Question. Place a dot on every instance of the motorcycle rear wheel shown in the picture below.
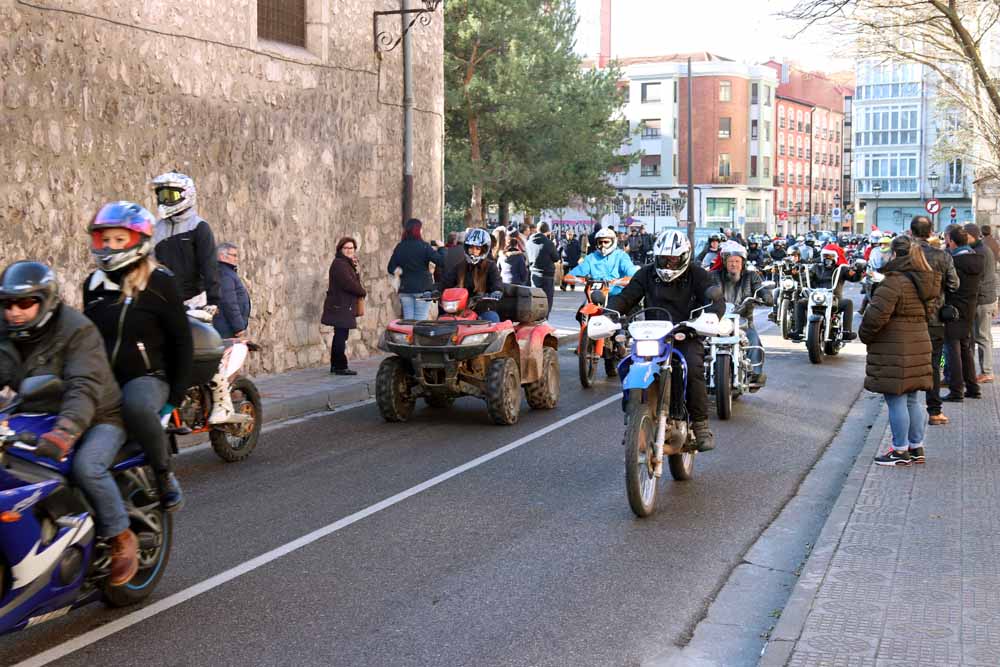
(814, 342)
(587, 361)
(235, 442)
(640, 435)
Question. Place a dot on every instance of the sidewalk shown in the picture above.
(907, 569)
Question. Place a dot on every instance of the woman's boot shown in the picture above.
(124, 557)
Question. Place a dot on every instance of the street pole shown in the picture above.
(690, 160)
(408, 103)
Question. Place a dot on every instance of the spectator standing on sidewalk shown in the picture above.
(344, 296)
(958, 332)
(233, 317)
(412, 257)
(894, 328)
(513, 266)
(543, 256)
(986, 304)
(940, 261)
(571, 253)
(991, 241)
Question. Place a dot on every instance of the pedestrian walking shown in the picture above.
(986, 304)
(233, 317)
(922, 231)
(412, 257)
(344, 302)
(543, 266)
(513, 266)
(898, 365)
(958, 341)
(571, 253)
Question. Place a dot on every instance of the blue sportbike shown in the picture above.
(654, 385)
(51, 560)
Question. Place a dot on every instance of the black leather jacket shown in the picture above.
(679, 297)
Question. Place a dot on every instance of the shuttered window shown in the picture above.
(282, 21)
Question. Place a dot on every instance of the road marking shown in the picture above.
(125, 622)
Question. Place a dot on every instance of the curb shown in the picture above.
(786, 633)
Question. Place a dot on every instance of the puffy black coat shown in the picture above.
(943, 265)
(969, 266)
(340, 309)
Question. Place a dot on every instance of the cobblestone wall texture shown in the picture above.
(290, 149)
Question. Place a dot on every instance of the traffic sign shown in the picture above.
(953, 213)
(782, 215)
(933, 206)
(835, 214)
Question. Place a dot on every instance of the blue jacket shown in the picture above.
(597, 266)
(234, 303)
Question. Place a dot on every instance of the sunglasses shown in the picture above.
(23, 303)
(168, 195)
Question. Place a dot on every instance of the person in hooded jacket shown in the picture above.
(898, 365)
(958, 341)
(542, 257)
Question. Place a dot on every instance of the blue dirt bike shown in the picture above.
(50, 558)
(654, 384)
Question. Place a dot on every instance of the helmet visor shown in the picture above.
(669, 262)
(605, 243)
(169, 196)
(115, 241)
(22, 303)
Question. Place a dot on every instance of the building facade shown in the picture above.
(895, 127)
(282, 112)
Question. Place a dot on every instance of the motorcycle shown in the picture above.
(786, 296)
(824, 325)
(236, 439)
(588, 351)
(868, 284)
(51, 561)
(654, 384)
(727, 365)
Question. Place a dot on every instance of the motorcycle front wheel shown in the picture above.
(723, 386)
(814, 342)
(235, 442)
(785, 318)
(587, 358)
(640, 434)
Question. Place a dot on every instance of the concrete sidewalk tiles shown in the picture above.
(909, 573)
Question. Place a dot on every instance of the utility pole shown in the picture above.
(408, 104)
(690, 160)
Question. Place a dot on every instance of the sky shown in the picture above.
(745, 30)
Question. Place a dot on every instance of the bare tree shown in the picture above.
(948, 37)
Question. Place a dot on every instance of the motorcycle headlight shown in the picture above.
(647, 348)
(787, 283)
(819, 298)
(475, 339)
(449, 306)
(397, 337)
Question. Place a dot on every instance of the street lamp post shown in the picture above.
(933, 180)
(877, 189)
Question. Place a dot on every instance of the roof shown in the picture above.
(697, 57)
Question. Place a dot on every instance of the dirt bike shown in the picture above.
(461, 355)
(235, 440)
(589, 352)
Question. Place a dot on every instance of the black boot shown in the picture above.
(171, 496)
(703, 436)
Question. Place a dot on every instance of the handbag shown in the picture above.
(360, 309)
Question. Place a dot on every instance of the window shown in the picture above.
(675, 91)
(650, 165)
(626, 90)
(895, 172)
(725, 127)
(767, 96)
(799, 124)
(781, 122)
(753, 129)
(651, 127)
(724, 169)
(888, 126)
(282, 21)
(674, 135)
(753, 210)
(725, 91)
(767, 166)
(753, 93)
(753, 166)
(676, 161)
(720, 207)
(767, 130)
(651, 92)
(955, 172)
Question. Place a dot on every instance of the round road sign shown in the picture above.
(932, 206)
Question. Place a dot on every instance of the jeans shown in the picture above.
(95, 453)
(961, 365)
(414, 308)
(937, 349)
(756, 356)
(906, 420)
(338, 349)
(142, 400)
(984, 337)
(547, 283)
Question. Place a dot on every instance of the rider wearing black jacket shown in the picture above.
(672, 283)
(821, 275)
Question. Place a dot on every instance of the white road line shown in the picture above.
(97, 634)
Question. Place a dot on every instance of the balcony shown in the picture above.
(732, 179)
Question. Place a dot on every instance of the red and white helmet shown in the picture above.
(671, 255)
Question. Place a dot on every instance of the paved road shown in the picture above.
(529, 558)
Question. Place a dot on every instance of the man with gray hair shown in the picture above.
(986, 304)
(234, 301)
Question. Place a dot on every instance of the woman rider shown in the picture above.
(138, 310)
(478, 273)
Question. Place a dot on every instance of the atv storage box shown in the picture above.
(522, 304)
(208, 350)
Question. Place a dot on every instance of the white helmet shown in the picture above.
(671, 254)
(730, 248)
(606, 233)
(476, 237)
(175, 193)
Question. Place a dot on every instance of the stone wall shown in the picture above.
(290, 148)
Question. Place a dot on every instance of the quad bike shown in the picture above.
(461, 355)
(236, 439)
(589, 351)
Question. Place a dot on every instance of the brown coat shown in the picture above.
(895, 330)
(340, 309)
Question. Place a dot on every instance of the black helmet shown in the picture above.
(30, 280)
